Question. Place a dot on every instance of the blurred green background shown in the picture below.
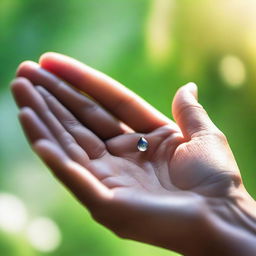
(152, 47)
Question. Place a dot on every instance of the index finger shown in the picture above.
(116, 98)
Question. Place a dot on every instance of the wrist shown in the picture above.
(230, 225)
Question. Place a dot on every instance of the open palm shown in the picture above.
(94, 152)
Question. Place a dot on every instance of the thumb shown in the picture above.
(189, 114)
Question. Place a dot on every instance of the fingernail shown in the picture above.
(192, 87)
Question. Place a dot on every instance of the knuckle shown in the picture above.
(220, 135)
(99, 151)
(187, 107)
(92, 107)
(71, 123)
(236, 179)
(47, 96)
(67, 138)
(88, 105)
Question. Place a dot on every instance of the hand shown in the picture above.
(86, 126)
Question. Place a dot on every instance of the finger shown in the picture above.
(80, 133)
(26, 95)
(36, 130)
(87, 111)
(189, 114)
(90, 191)
(123, 103)
(33, 127)
(85, 137)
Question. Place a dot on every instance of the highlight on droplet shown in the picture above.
(142, 144)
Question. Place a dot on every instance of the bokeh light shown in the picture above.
(44, 234)
(233, 71)
(13, 213)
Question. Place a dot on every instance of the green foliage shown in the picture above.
(117, 37)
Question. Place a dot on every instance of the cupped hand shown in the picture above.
(86, 126)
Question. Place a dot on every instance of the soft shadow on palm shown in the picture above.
(171, 164)
(123, 166)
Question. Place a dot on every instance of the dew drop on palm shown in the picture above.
(142, 144)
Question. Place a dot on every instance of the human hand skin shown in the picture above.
(185, 193)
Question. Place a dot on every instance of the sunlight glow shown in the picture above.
(158, 30)
(251, 43)
(44, 234)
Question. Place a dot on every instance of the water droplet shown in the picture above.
(142, 144)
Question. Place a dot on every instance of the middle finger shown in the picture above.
(87, 111)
